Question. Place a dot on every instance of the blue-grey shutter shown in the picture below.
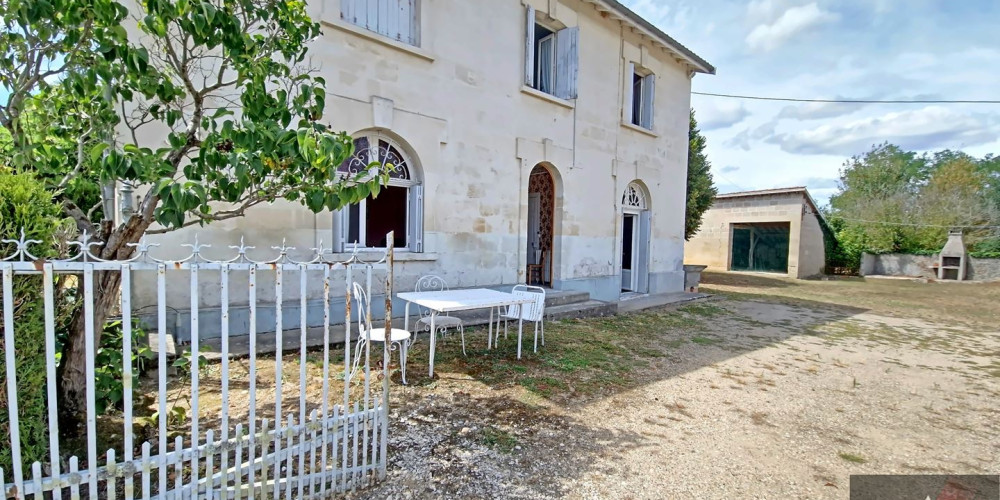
(627, 102)
(340, 226)
(529, 47)
(648, 100)
(642, 257)
(415, 226)
(567, 62)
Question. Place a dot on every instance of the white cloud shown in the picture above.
(721, 115)
(924, 129)
(766, 37)
(740, 140)
(817, 110)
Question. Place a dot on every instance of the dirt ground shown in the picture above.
(772, 389)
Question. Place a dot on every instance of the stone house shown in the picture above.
(772, 230)
(546, 134)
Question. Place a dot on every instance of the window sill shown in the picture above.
(547, 97)
(641, 130)
(377, 38)
(374, 255)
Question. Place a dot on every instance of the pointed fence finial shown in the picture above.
(196, 249)
(143, 248)
(21, 248)
(241, 256)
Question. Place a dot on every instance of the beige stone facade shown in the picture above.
(451, 95)
(792, 208)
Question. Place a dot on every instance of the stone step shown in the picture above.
(588, 309)
(555, 298)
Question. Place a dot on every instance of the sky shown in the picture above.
(835, 49)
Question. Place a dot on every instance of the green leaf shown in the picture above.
(97, 151)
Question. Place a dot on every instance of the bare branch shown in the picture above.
(80, 141)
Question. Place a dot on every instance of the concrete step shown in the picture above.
(588, 309)
(555, 298)
(643, 302)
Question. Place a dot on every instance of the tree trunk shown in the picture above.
(74, 378)
(73, 370)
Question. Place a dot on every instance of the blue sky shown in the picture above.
(855, 49)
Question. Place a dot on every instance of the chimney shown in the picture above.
(952, 261)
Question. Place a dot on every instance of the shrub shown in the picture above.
(24, 203)
(109, 360)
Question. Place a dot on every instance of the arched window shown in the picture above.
(398, 206)
(634, 197)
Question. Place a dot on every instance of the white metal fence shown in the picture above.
(262, 435)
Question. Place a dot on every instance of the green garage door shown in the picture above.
(760, 247)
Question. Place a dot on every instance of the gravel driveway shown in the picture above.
(766, 398)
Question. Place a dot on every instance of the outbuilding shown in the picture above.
(773, 231)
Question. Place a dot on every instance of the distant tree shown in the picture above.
(701, 190)
(892, 200)
(876, 186)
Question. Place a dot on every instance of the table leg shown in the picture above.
(433, 340)
(489, 339)
(520, 329)
(406, 317)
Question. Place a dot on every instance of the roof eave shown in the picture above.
(694, 60)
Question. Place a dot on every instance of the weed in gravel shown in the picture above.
(498, 439)
(854, 459)
(698, 339)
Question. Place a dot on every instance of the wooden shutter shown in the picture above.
(396, 19)
(627, 102)
(649, 94)
(567, 62)
(415, 226)
(642, 253)
(529, 47)
(340, 225)
(407, 27)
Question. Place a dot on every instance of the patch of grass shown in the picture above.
(700, 340)
(704, 310)
(543, 386)
(498, 439)
(854, 459)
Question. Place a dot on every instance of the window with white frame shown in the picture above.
(398, 207)
(639, 97)
(551, 58)
(396, 19)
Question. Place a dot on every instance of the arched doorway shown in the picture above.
(635, 239)
(541, 226)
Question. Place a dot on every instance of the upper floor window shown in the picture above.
(639, 97)
(551, 57)
(396, 19)
(398, 206)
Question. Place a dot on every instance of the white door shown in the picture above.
(630, 233)
(534, 228)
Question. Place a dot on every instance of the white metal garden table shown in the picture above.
(446, 301)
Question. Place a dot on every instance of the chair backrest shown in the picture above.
(429, 283)
(530, 311)
(363, 308)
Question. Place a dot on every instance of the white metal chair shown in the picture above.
(398, 338)
(533, 311)
(442, 322)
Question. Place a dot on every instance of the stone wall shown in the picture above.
(900, 264)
